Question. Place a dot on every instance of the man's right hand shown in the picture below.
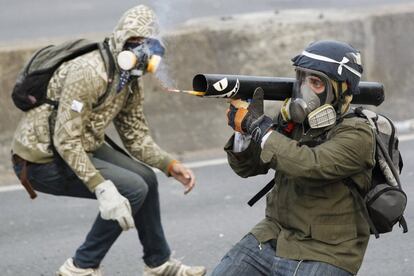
(113, 205)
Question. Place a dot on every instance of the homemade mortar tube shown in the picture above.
(275, 88)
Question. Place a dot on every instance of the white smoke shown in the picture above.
(166, 13)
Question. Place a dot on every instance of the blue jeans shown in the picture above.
(247, 258)
(135, 181)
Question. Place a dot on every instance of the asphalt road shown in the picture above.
(37, 236)
(21, 20)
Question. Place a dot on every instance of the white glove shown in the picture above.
(113, 205)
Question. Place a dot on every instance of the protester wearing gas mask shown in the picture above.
(312, 224)
(76, 162)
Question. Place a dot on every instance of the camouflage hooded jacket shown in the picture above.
(79, 127)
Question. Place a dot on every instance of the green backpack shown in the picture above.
(31, 85)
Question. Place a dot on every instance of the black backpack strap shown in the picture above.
(261, 193)
(115, 146)
(388, 159)
(109, 66)
(108, 59)
(53, 103)
(360, 202)
(110, 70)
(403, 224)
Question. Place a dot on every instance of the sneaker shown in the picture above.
(69, 269)
(174, 267)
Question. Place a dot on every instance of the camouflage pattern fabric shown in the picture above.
(79, 128)
(139, 21)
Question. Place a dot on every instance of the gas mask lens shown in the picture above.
(315, 84)
(310, 92)
(310, 81)
(141, 57)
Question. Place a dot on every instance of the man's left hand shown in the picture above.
(183, 175)
(252, 120)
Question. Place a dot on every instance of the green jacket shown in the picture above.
(80, 128)
(310, 212)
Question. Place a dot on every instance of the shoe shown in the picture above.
(69, 269)
(174, 267)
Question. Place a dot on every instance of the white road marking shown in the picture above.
(11, 188)
(406, 137)
(206, 163)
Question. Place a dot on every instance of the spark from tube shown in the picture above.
(191, 92)
(164, 9)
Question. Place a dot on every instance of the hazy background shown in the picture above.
(23, 19)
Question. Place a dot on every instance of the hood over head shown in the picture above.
(139, 21)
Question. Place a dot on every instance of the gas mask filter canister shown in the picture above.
(127, 60)
(141, 58)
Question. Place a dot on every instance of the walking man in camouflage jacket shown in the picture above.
(78, 163)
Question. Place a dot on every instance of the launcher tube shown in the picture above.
(275, 88)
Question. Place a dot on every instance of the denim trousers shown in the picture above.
(134, 180)
(250, 258)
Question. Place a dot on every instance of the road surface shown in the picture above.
(37, 236)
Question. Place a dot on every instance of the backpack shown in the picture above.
(31, 85)
(384, 203)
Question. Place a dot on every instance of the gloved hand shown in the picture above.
(251, 120)
(113, 205)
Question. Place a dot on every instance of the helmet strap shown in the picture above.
(341, 98)
(340, 91)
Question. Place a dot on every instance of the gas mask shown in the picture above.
(312, 99)
(139, 58)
